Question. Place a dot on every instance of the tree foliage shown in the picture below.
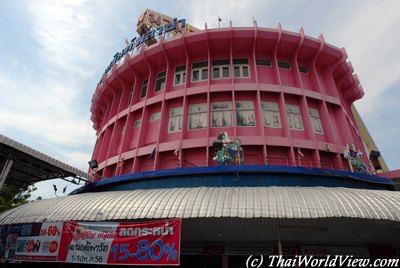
(11, 196)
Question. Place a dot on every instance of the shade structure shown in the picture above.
(213, 202)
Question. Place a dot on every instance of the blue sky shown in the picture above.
(53, 53)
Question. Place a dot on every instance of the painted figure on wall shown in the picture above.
(354, 157)
(228, 152)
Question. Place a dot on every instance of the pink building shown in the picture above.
(277, 91)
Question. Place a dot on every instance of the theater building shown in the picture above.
(300, 179)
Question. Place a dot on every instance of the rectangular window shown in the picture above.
(197, 116)
(284, 65)
(175, 120)
(137, 123)
(303, 69)
(294, 117)
(154, 117)
(241, 68)
(316, 121)
(245, 114)
(160, 82)
(180, 75)
(144, 89)
(272, 117)
(263, 62)
(220, 69)
(199, 71)
(221, 114)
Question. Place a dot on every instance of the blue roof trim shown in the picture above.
(324, 177)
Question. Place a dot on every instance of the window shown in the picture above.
(271, 113)
(199, 71)
(316, 121)
(294, 117)
(144, 89)
(263, 62)
(220, 69)
(160, 82)
(130, 96)
(175, 120)
(154, 117)
(180, 75)
(198, 116)
(303, 69)
(137, 123)
(221, 114)
(245, 114)
(241, 68)
(284, 65)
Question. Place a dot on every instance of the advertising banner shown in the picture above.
(145, 243)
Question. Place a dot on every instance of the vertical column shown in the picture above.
(5, 170)
(258, 109)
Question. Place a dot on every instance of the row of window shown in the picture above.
(222, 114)
(220, 70)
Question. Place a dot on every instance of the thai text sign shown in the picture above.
(147, 243)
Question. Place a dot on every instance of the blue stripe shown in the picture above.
(245, 175)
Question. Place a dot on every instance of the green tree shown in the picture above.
(11, 196)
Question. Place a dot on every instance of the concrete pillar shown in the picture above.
(4, 171)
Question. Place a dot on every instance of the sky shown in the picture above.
(53, 53)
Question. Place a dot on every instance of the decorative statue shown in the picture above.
(228, 152)
(354, 157)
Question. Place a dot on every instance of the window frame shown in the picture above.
(160, 81)
(315, 118)
(220, 65)
(202, 110)
(202, 66)
(178, 116)
(241, 64)
(244, 111)
(155, 117)
(223, 111)
(145, 85)
(270, 111)
(284, 65)
(182, 73)
(293, 115)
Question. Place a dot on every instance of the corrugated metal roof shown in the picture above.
(45, 167)
(208, 202)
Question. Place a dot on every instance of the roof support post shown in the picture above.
(4, 171)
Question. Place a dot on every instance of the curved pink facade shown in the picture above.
(274, 90)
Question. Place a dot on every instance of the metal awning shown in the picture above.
(22, 166)
(213, 202)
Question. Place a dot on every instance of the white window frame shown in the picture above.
(160, 76)
(245, 110)
(316, 121)
(180, 76)
(241, 66)
(155, 117)
(220, 113)
(197, 116)
(175, 117)
(294, 117)
(217, 65)
(272, 115)
(200, 70)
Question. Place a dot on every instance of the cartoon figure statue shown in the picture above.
(354, 157)
(228, 152)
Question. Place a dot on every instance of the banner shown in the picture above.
(145, 243)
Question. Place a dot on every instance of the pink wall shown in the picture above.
(327, 86)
